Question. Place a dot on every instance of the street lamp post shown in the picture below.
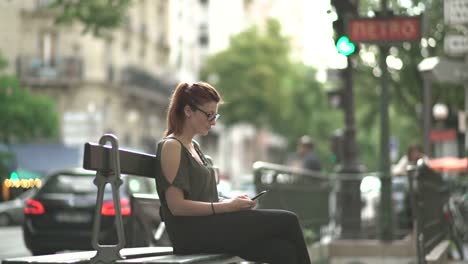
(386, 208)
(440, 114)
(349, 165)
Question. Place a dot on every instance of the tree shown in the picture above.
(252, 72)
(264, 87)
(24, 116)
(96, 16)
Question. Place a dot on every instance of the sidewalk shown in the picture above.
(370, 252)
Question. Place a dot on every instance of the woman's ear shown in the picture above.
(188, 111)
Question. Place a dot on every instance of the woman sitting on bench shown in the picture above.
(196, 221)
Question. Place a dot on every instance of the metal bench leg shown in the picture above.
(108, 253)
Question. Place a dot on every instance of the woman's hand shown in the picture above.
(241, 202)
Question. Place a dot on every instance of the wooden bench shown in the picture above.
(109, 161)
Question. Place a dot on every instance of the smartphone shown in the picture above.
(258, 195)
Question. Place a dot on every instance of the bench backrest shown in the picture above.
(98, 158)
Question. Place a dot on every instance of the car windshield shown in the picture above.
(84, 184)
(63, 183)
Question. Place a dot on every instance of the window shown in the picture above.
(70, 184)
(203, 39)
(127, 23)
(108, 60)
(110, 73)
(48, 43)
(142, 50)
(161, 8)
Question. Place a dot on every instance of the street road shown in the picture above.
(12, 244)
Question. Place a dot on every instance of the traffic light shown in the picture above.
(344, 9)
(344, 46)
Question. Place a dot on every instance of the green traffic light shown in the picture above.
(345, 46)
(14, 176)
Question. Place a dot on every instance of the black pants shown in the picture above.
(269, 236)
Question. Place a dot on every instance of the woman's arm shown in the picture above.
(179, 206)
(400, 168)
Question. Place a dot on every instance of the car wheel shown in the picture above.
(5, 220)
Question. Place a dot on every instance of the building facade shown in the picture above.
(118, 84)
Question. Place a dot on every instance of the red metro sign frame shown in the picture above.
(384, 29)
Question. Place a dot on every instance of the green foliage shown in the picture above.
(310, 235)
(252, 72)
(96, 15)
(24, 116)
(264, 87)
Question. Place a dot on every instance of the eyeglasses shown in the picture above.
(210, 117)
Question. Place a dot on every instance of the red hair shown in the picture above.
(194, 94)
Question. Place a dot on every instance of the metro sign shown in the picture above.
(388, 29)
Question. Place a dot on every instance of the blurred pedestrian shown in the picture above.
(413, 154)
(305, 150)
(196, 220)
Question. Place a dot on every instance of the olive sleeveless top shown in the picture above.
(197, 181)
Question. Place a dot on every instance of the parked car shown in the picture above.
(11, 212)
(60, 215)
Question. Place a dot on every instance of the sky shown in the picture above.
(320, 49)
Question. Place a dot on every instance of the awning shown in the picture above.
(449, 164)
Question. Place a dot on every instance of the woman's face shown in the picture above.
(415, 155)
(204, 117)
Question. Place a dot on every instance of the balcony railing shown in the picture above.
(134, 76)
(63, 71)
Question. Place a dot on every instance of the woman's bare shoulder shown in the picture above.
(171, 149)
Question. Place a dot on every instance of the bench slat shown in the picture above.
(181, 259)
(97, 158)
(85, 256)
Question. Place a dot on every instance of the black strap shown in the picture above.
(172, 137)
(200, 153)
(197, 149)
